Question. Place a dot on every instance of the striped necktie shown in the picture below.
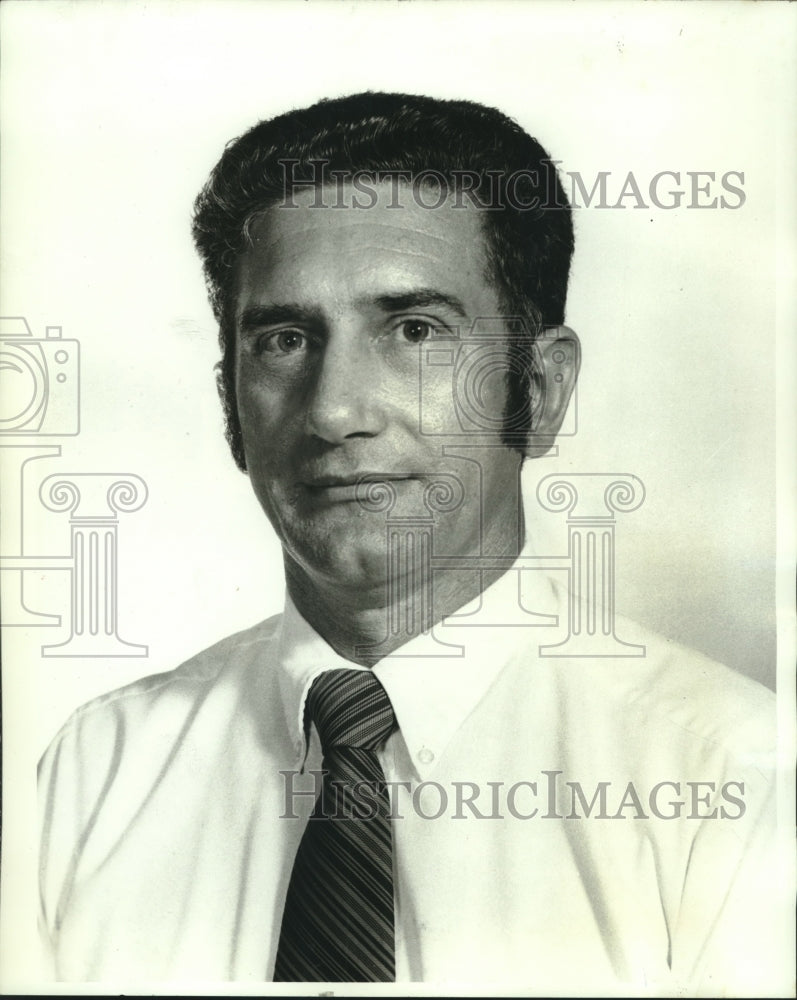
(338, 923)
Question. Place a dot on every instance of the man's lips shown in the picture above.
(349, 487)
(363, 478)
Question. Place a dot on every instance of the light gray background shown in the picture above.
(112, 117)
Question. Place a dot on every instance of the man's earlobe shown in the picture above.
(552, 381)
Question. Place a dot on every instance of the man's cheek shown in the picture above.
(258, 408)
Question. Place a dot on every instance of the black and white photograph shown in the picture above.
(397, 446)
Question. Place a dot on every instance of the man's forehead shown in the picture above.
(364, 210)
(319, 240)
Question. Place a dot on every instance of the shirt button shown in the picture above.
(425, 756)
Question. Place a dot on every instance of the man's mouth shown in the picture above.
(350, 487)
(351, 479)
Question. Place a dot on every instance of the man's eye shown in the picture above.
(284, 342)
(416, 330)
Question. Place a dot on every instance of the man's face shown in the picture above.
(334, 309)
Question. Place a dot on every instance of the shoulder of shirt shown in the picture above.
(678, 687)
(682, 688)
(184, 684)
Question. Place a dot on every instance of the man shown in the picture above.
(389, 275)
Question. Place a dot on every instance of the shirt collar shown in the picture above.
(434, 681)
(301, 656)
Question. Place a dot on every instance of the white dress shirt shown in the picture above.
(168, 839)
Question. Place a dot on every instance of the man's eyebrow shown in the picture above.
(418, 298)
(257, 316)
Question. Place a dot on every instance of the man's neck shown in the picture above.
(355, 622)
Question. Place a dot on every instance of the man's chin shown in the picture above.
(351, 559)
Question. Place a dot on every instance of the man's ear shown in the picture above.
(552, 380)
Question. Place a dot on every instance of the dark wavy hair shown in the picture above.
(526, 218)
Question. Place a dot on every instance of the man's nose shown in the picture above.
(344, 400)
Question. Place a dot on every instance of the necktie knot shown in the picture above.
(350, 709)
